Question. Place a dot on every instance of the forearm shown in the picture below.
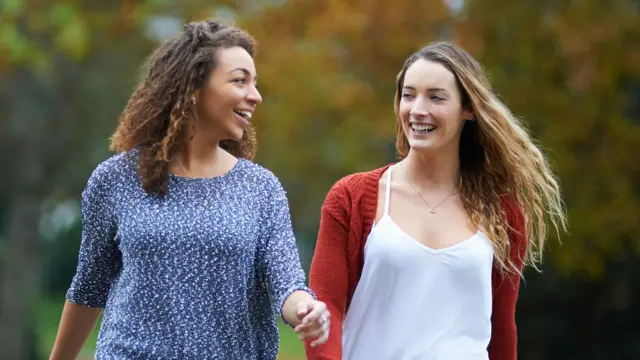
(289, 308)
(76, 324)
(329, 274)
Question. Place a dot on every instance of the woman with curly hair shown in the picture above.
(421, 259)
(186, 243)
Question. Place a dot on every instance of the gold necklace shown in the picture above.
(432, 209)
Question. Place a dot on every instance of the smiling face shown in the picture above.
(227, 100)
(430, 109)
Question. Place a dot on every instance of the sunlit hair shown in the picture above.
(159, 113)
(498, 160)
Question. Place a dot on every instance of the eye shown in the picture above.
(239, 80)
(407, 95)
(436, 98)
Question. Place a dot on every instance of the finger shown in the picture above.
(323, 339)
(312, 320)
(316, 333)
(311, 326)
(316, 330)
(314, 325)
(304, 309)
(317, 311)
(319, 341)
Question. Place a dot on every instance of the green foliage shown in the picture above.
(570, 69)
(59, 260)
(562, 66)
(328, 71)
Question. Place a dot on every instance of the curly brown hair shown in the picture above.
(498, 160)
(157, 117)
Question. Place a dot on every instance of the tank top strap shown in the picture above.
(387, 195)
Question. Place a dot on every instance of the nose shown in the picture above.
(253, 96)
(419, 109)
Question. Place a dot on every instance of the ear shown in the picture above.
(468, 115)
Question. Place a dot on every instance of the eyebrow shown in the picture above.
(430, 89)
(244, 71)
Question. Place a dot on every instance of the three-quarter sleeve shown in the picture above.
(278, 253)
(99, 259)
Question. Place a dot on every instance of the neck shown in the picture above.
(434, 171)
(200, 153)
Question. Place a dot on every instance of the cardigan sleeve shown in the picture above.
(328, 276)
(503, 344)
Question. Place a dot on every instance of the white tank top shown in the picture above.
(417, 303)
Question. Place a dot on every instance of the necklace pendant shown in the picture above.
(432, 210)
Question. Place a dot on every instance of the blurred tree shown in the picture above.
(66, 72)
(327, 71)
(570, 69)
(566, 66)
(69, 68)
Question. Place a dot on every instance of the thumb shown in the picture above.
(303, 308)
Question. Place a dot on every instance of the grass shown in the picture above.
(49, 311)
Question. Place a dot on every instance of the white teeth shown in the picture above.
(423, 127)
(245, 114)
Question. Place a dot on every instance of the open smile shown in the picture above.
(243, 116)
(246, 114)
(422, 128)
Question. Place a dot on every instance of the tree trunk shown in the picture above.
(20, 278)
(21, 265)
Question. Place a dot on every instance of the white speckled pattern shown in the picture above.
(190, 276)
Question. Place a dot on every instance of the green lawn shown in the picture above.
(49, 315)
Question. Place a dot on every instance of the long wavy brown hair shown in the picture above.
(497, 159)
(159, 113)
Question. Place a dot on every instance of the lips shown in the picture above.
(423, 128)
(246, 114)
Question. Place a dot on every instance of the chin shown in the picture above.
(423, 146)
(421, 149)
(234, 134)
(422, 143)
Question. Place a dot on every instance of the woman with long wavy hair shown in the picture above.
(421, 259)
(186, 243)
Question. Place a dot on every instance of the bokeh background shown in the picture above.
(569, 68)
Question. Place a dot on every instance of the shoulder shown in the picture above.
(259, 176)
(356, 193)
(113, 168)
(106, 178)
(358, 184)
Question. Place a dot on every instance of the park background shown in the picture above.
(569, 68)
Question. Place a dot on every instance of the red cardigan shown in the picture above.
(347, 216)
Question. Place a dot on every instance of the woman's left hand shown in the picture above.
(315, 319)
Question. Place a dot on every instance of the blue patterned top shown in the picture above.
(195, 275)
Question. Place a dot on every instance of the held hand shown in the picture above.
(315, 319)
